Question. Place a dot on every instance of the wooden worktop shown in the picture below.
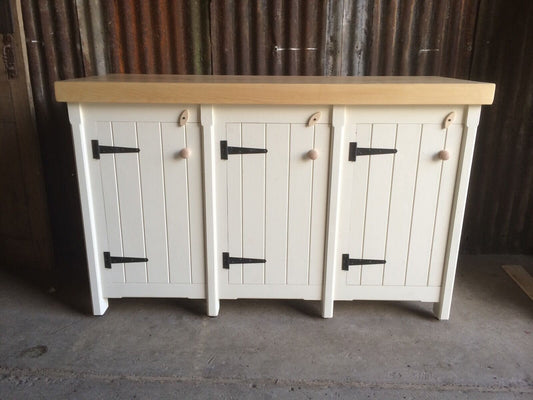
(226, 89)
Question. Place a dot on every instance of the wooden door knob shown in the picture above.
(444, 155)
(312, 154)
(185, 153)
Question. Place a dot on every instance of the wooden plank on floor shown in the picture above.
(521, 277)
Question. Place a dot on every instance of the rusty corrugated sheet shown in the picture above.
(499, 214)
(71, 38)
(268, 37)
(54, 53)
(158, 37)
(408, 37)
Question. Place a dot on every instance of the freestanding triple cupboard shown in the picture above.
(320, 188)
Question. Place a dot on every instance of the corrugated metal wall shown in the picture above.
(499, 216)
(478, 39)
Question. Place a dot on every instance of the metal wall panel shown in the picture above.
(72, 38)
(408, 37)
(499, 217)
(158, 37)
(268, 37)
(54, 53)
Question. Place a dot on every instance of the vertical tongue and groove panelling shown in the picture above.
(389, 209)
(289, 233)
(147, 201)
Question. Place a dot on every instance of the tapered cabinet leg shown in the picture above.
(327, 309)
(213, 307)
(442, 310)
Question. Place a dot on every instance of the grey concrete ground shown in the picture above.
(159, 348)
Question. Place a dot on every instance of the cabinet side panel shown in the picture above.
(111, 201)
(253, 203)
(176, 188)
(358, 201)
(129, 191)
(277, 193)
(234, 203)
(153, 198)
(401, 203)
(378, 198)
(444, 207)
(195, 197)
(425, 203)
(300, 184)
(319, 204)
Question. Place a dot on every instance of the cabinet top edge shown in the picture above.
(303, 90)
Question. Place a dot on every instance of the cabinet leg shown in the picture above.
(213, 307)
(327, 309)
(100, 305)
(442, 310)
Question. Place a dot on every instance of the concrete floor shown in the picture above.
(167, 348)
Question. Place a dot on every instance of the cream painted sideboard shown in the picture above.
(319, 188)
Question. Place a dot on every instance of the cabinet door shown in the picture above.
(396, 207)
(150, 201)
(271, 205)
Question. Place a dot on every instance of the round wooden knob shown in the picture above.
(444, 155)
(185, 153)
(312, 154)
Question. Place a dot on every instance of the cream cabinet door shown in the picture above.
(148, 198)
(271, 198)
(396, 205)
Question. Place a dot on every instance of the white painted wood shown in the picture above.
(111, 201)
(299, 211)
(89, 206)
(253, 203)
(331, 259)
(118, 290)
(272, 114)
(300, 186)
(418, 217)
(213, 256)
(401, 114)
(140, 112)
(234, 168)
(425, 205)
(401, 202)
(253, 181)
(153, 200)
(277, 194)
(377, 203)
(193, 135)
(129, 192)
(319, 205)
(442, 308)
(398, 293)
(177, 203)
(358, 202)
(303, 292)
(444, 206)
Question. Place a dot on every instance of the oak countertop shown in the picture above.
(301, 90)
